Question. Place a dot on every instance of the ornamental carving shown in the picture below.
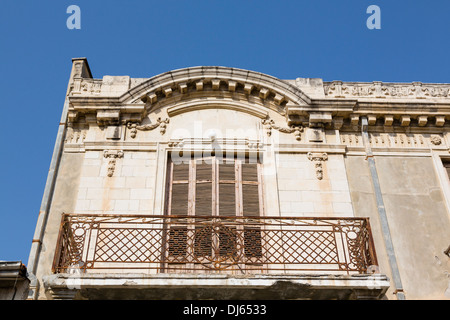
(91, 86)
(436, 140)
(387, 90)
(270, 124)
(75, 135)
(112, 155)
(161, 123)
(318, 159)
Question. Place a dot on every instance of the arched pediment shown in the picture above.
(203, 83)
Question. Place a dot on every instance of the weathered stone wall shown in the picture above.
(130, 189)
(419, 224)
(302, 193)
(63, 201)
(417, 217)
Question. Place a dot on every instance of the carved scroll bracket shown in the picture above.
(112, 155)
(318, 159)
(161, 123)
(270, 124)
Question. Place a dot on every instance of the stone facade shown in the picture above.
(317, 140)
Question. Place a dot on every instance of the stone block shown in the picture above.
(150, 182)
(119, 194)
(117, 182)
(287, 196)
(302, 207)
(121, 205)
(82, 194)
(92, 155)
(90, 171)
(133, 205)
(343, 207)
(94, 193)
(141, 171)
(339, 185)
(82, 205)
(288, 184)
(127, 171)
(141, 194)
(323, 207)
(285, 207)
(93, 182)
(135, 182)
(146, 206)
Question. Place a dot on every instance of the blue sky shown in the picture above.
(286, 39)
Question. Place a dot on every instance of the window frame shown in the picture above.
(192, 182)
(215, 181)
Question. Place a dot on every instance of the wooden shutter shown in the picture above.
(207, 188)
(250, 189)
(203, 188)
(179, 189)
(251, 208)
(227, 189)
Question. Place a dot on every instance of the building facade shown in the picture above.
(223, 183)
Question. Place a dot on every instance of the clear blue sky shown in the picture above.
(285, 39)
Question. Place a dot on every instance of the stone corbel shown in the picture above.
(112, 155)
(270, 124)
(318, 159)
(161, 123)
(320, 119)
(440, 121)
(388, 120)
(72, 116)
(108, 117)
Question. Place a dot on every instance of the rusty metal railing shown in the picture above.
(237, 245)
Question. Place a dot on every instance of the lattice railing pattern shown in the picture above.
(214, 244)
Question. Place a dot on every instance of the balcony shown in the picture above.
(171, 251)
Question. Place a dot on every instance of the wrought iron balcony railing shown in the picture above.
(237, 245)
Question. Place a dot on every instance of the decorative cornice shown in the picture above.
(380, 90)
(341, 103)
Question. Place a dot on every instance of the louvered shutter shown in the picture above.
(250, 189)
(203, 205)
(203, 188)
(179, 194)
(227, 189)
(251, 208)
(206, 188)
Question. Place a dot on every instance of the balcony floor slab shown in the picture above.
(162, 286)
